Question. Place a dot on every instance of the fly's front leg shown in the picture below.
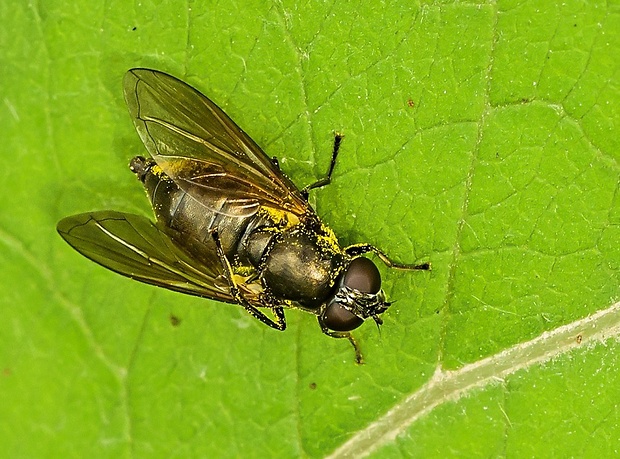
(279, 323)
(359, 249)
(269, 301)
(359, 359)
(328, 178)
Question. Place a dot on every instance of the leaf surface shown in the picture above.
(479, 136)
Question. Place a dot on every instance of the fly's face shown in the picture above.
(358, 297)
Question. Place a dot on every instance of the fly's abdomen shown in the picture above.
(193, 219)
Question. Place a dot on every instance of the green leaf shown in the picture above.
(479, 136)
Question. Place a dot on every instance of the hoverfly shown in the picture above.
(230, 225)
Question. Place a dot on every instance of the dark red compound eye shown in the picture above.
(338, 318)
(363, 275)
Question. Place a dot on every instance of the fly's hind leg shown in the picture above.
(359, 249)
(328, 178)
(278, 311)
(359, 359)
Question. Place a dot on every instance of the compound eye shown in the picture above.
(338, 318)
(363, 275)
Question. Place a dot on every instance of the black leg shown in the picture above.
(359, 359)
(359, 249)
(279, 323)
(328, 178)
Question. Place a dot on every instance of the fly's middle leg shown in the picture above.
(279, 323)
(328, 178)
(359, 249)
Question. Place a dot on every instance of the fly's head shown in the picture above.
(358, 297)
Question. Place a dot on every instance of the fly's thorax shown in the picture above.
(297, 266)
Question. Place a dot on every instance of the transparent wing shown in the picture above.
(201, 148)
(135, 247)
